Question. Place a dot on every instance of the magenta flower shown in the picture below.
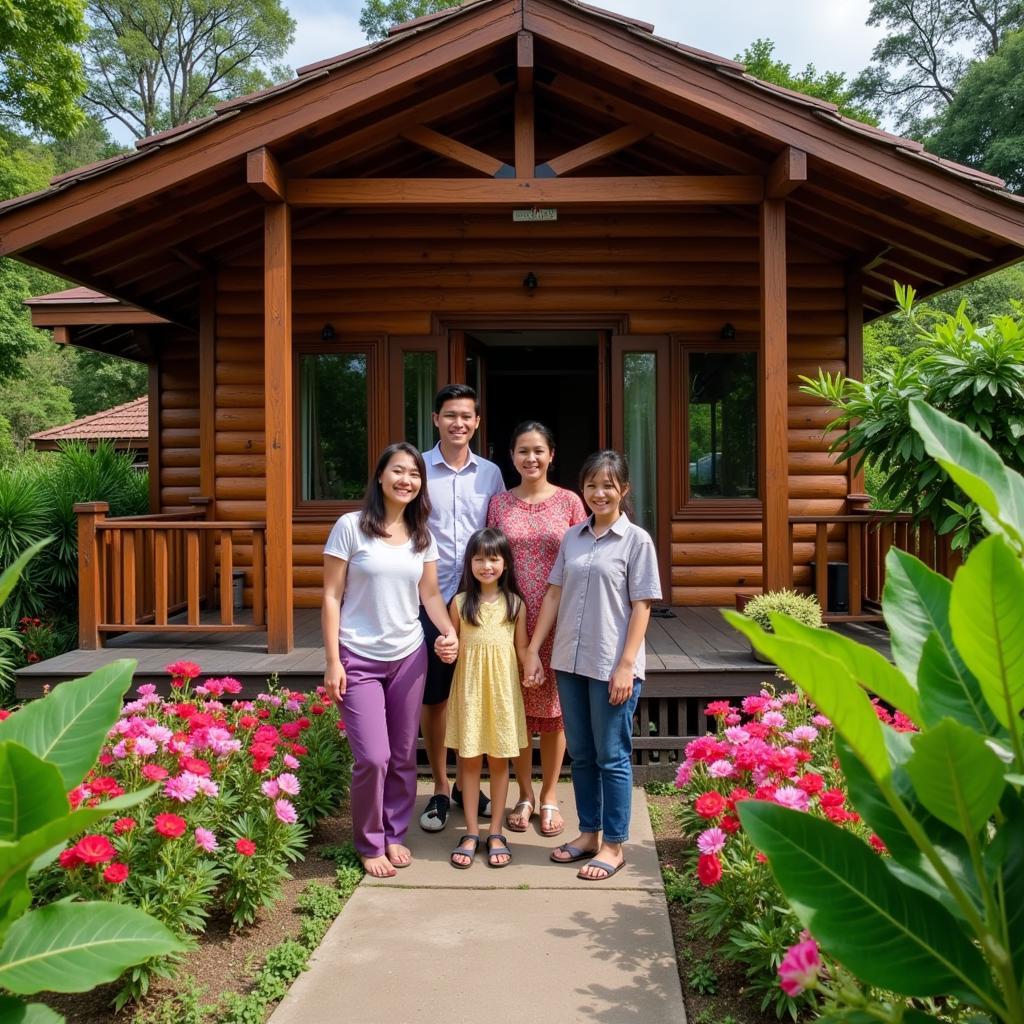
(792, 797)
(182, 788)
(207, 786)
(800, 966)
(206, 840)
(720, 769)
(822, 722)
(737, 734)
(711, 840)
(683, 774)
(270, 789)
(288, 784)
(285, 811)
(774, 719)
(145, 746)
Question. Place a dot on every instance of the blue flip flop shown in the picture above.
(498, 850)
(465, 852)
(604, 867)
(575, 854)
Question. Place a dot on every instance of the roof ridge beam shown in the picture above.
(459, 152)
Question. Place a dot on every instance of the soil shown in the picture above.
(728, 1005)
(225, 960)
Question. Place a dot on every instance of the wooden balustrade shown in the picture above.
(156, 573)
(869, 534)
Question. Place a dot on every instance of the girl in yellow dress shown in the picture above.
(485, 709)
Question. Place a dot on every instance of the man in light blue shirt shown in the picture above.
(460, 485)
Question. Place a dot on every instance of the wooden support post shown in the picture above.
(277, 356)
(90, 573)
(525, 152)
(787, 172)
(524, 62)
(772, 366)
(153, 423)
(208, 419)
(264, 174)
(855, 363)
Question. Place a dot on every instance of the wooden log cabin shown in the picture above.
(630, 239)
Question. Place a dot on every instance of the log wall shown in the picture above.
(681, 274)
(178, 427)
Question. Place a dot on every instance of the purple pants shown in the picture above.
(381, 708)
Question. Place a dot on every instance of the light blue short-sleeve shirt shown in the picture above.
(600, 577)
(458, 508)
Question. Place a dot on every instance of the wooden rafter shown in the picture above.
(591, 152)
(264, 174)
(459, 152)
(787, 172)
(480, 193)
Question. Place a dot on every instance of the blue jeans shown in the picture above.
(600, 741)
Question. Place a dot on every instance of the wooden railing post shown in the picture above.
(207, 554)
(90, 571)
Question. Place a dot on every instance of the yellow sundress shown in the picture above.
(485, 709)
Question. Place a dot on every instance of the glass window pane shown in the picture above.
(639, 428)
(333, 414)
(420, 375)
(722, 424)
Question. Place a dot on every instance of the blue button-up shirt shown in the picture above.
(459, 500)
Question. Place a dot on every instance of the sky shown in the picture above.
(829, 33)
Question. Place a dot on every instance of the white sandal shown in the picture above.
(517, 814)
(549, 808)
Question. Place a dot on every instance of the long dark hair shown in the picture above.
(615, 465)
(372, 518)
(529, 427)
(491, 542)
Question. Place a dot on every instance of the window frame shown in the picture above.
(686, 506)
(374, 347)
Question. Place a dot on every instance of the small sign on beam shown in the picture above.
(535, 214)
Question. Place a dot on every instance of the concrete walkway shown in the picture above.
(524, 943)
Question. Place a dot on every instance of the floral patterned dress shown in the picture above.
(535, 533)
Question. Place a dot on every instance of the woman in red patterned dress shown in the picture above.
(534, 517)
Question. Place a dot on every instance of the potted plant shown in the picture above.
(802, 607)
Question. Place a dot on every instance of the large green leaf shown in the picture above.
(11, 575)
(829, 683)
(31, 792)
(69, 726)
(1011, 872)
(956, 776)
(871, 669)
(14, 1011)
(975, 467)
(986, 612)
(73, 947)
(885, 933)
(916, 605)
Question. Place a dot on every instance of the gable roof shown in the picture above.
(127, 425)
(973, 223)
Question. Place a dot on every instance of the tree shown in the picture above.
(920, 61)
(40, 70)
(47, 402)
(984, 124)
(377, 16)
(98, 381)
(155, 64)
(831, 86)
(90, 144)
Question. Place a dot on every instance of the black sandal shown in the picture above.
(498, 851)
(464, 851)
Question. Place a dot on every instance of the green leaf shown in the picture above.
(11, 575)
(31, 792)
(974, 466)
(1012, 872)
(69, 726)
(872, 670)
(886, 933)
(956, 776)
(73, 947)
(951, 691)
(986, 613)
(829, 684)
(14, 1011)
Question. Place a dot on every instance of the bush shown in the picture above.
(802, 607)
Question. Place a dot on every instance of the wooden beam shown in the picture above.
(855, 356)
(773, 370)
(264, 174)
(524, 62)
(788, 171)
(459, 152)
(61, 335)
(590, 152)
(524, 139)
(478, 193)
(208, 417)
(277, 358)
(154, 424)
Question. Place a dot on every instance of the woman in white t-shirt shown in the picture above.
(380, 564)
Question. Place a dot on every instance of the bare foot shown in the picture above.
(400, 856)
(379, 867)
(610, 854)
(585, 842)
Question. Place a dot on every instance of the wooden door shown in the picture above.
(639, 391)
(418, 367)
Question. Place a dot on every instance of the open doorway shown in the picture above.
(551, 376)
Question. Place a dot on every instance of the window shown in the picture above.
(640, 434)
(419, 384)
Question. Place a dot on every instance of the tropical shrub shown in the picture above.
(802, 607)
(237, 784)
(942, 916)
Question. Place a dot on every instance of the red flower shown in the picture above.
(195, 765)
(4, 714)
(170, 825)
(761, 858)
(124, 825)
(247, 721)
(94, 850)
(32, 657)
(765, 792)
(263, 713)
(298, 749)
(718, 707)
(106, 785)
(154, 772)
(262, 751)
(303, 722)
(291, 730)
(68, 859)
(200, 721)
(246, 847)
(266, 734)
(710, 804)
(116, 873)
(730, 824)
(878, 843)
(810, 783)
(185, 710)
(183, 670)
(736, 795)
(317, 709)
(832, 798)
(709, 869)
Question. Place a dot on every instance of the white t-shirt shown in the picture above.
(380, 606)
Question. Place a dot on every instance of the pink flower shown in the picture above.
(145, 746)
(711, 840)
(773, 719)
(803, 734)
(799, 968)
(737, 734)
(289, 784)
(182, 788)
(290, 762)
(206, 840)
(752, 705)
(793, 797)
(270, 789)
(721, 769)
(822, 722)
(285, 811)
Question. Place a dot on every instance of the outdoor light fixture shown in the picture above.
(728, 332)
(530, 283)
(327, 332)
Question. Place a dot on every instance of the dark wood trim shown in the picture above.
(264, 174)
(398, 345)
(153, 404)
(590, 152)
(458, 152)
(788, 171)
(65, 316)
(525, 151)
(208, 416)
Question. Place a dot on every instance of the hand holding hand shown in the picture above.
(335, 681)
(620, 686)
(533, 671)
(446, 647)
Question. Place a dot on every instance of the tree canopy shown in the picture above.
(154, 64)
(377, 16)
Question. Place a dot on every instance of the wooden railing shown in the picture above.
(156, 573)
(868, 535)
